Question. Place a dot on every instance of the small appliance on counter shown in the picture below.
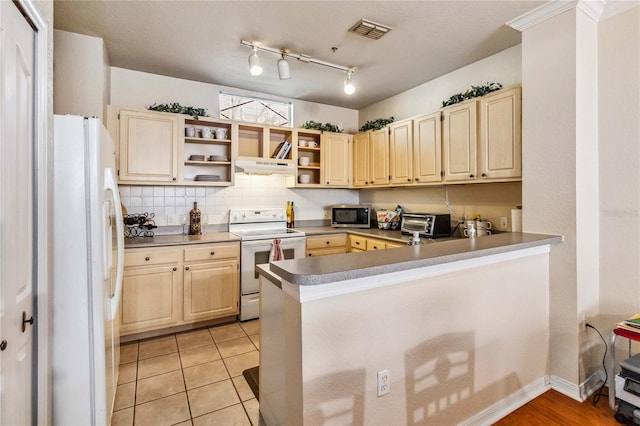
(351, 216)
(627, 384)
(428, 225)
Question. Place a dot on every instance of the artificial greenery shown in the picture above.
(474, 92)
(326, 127)
(179, 109)
(376, 124)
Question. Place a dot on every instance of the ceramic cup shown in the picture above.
(312, 144)
(483, 224)
(303, 161)
(190, 132)
(482, 232)
(207, 133)
(305, 178)
(470, 232)
(221, 133)
(302, 142)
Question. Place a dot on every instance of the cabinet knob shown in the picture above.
(417, 179)
(175, 269)
(471, 175)
(213, 253)
(3, 345)
(328, 242)
(484, 175)
(357, 243)
(147, 258)
(173, 178)
(408, 180)
(186, 268)
(309, 255)
(371, 182)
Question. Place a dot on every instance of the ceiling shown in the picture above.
(200, 40)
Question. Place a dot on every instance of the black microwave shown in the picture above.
(351, 216)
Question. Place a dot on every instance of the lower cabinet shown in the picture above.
(169, 286)
(323, 245)
(359, 243)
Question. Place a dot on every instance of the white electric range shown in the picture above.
(257, 229)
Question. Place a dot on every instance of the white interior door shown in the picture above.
(17, 254)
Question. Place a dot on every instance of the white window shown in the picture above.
(256, 110)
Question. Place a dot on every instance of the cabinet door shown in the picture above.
(326, 252)
(336, 162)
(401, 152)
(361, 159)
(427, 153)
(460, 141)
(379, 157)
(150, 298)
(148, 147)
(210, 290)
(500, 135)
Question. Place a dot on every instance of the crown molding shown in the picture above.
(541, 14)
(597, 10)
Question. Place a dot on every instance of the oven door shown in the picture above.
(257, 252)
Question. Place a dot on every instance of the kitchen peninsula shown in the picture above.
(461, 327)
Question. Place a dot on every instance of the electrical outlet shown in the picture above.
(384, 383)
(172, 220)
(503, 222)
(327, 213)
(584, 321)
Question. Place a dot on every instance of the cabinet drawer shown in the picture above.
(376, 245)
(325, 241)
(326, 252)
(358, 243)
(212, 251)
(141, 257)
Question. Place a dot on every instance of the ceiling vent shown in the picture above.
(370, 29)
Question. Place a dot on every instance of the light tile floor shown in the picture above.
(191, 378)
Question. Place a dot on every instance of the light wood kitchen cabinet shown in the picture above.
(371, 158)
(358, 243)
(500, 153)
(482, 139)
(151, 290)
(215, 153)
(415, 150)
(211, 281)
(336, 159)
(311, 148)
(148, 147)
(460, 139)
(322, 245)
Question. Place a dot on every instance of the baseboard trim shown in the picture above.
(578, 392)
(510, 403)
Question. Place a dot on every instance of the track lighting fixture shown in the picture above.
(254, 63)
(349, 87)
(284, 71)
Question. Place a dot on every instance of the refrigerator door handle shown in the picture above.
(112, 186)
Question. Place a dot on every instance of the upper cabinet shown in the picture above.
(336, 159)
(148, 147)
(371, 158)
(501, 135)
(415, 150)
(482, 138)
(207, 152)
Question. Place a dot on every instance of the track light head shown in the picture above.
(283, 69)
(349, 87)
(254, 63)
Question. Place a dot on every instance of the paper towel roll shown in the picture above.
(516, 220)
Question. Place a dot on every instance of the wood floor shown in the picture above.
(554, 408)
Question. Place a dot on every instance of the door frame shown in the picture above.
(42, 117)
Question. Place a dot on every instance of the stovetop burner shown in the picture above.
(260, 224)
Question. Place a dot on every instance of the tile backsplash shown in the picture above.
(168, 203)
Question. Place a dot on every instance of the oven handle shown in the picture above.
(267, 241)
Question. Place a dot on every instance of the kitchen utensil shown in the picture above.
(221, 133)
(207, 133)
(304, 178)
(303, 161)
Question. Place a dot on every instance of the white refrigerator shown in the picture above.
(88, 256)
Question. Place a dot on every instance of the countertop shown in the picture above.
(340, 267)
(179, 239)
(369, 232)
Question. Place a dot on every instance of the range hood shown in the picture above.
(264, 167)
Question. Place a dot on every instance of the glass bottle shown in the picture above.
(288, 213)
(194, 220)
(293, 217)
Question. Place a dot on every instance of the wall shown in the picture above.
(457, 345)
(135, 89)
(619, 163)
(82, 75)
(549, 171)
(490, 201)
(503, 67)
(250, 191)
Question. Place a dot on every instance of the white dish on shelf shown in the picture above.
(304, 178)
(196, 157)
(303, 161)
(207, 178)
(218, 158)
